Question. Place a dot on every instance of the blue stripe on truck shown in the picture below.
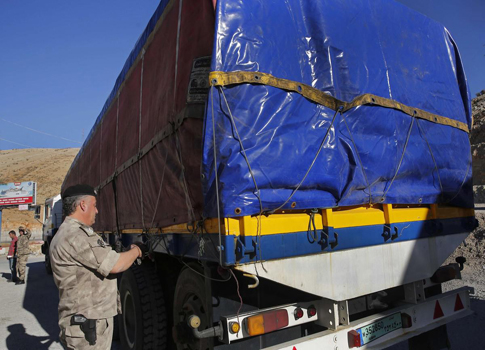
(277, 246)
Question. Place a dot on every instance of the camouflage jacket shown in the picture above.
(81, 264)
(23, 243)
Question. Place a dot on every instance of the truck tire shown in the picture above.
(190, 298)
(116, 328)
(116, 319)
(47, 260)
(143, 322)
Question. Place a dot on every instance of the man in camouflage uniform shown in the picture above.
(82, 265)
(23, 252)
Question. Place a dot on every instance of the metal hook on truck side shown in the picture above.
(255, 278)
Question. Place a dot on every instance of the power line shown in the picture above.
(16, 143)
(40, 132)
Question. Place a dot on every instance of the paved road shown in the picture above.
(28, 316)
(28, 313)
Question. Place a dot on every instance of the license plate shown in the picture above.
(380, 328)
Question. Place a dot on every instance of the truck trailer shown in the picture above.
(301, 170)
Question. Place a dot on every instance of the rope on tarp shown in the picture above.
(368, 185)
(462, 183)
(140, 169)
(164, 133)
(183, 180)
(233, 78)
(216, 177)
(311, 164)
(159, 190)
(383, 198)
(432, 157)
(257, 192)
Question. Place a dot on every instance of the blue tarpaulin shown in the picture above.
(276, 148)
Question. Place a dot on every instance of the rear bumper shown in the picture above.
(424, 318)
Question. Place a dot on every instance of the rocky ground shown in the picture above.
(473, 249)
(477, 139)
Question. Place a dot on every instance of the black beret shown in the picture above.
(79, 190)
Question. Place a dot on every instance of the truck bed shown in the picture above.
(240, 139)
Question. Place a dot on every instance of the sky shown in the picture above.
(60, 60)
(58, 64)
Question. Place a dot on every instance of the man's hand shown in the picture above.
(143, 249)
(127, 258)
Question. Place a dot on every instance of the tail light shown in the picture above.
(267, 322)
(406, 320)
(354, 339)
(312, 311)
(298, 313)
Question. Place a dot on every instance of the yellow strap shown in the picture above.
(320, 97)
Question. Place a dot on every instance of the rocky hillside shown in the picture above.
(477, 139)
(47, 167)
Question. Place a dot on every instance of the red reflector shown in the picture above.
(458, 303)
(354, 339)
(298, 313)
(275, 320)
(312, 311)
(437, 311)
(406, 320)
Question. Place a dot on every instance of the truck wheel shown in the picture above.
(143, 323)
(116, 328)
(47, 261)
(116, 319)
(190, 298)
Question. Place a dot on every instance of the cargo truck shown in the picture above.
(301, 170)
(50, 224)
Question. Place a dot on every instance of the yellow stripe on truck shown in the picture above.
(297, 221)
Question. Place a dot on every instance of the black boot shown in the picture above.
(20, 282)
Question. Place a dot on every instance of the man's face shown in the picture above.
(11, 235)
(90, 209)
(21, 233)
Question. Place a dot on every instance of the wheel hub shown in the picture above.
(193, 305)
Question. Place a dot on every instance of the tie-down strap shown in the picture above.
(320, 97)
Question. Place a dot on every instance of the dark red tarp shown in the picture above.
(162, 186)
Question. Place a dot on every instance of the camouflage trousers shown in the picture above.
(73, 338)
(21, 263)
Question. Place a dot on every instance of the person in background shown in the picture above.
(83, 266)
(23, 252)
(12, 256)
